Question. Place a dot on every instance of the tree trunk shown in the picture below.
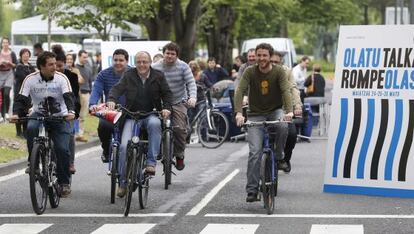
(226, 18)
(185, 27)
(160, 27)
(49, 33)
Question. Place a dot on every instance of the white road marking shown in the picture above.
(337, 229)
(23, 228)
(214, 228)
(130, 228)
(211, 194)
(24, 215)
(21, 172)
(318, 216)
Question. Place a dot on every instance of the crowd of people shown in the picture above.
(163, 82)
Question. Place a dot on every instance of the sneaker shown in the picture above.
(65, 190)
(251, 197)
(281, 165)
(72, 168)
(1, 119)
(105, 158)
(179, 164)
(288, 167)
(121, 192)
(27, 170)
(150, 170)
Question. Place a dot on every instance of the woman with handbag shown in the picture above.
(315, 83)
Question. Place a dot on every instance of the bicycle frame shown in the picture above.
(268, 149)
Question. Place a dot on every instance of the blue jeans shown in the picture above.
(153, 126)
(60, 134)
(255, 138)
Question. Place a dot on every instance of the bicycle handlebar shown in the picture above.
(263, 123)
(136, 114)
(43, 118)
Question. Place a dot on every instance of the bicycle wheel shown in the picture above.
(167, 156)
(38, 178)
(131, 179)
(54, 190)
(114, 172)
(267, 185)
(143, 181)
(213, 136)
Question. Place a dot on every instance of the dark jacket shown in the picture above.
(159, 94)
(319, 86)
(74, 83)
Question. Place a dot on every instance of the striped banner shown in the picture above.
(372, 115)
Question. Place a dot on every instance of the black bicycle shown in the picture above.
(167, 145)
(211, 125)
(43, 167)
(269, 178)
(136, 156)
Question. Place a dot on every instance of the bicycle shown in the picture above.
(167, 145)
(135, 161)
(269, 178)
(43, 167)
(211, 124)
(113, 117)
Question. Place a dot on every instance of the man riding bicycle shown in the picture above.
(49, 92)
(145, 89)
(268, 90)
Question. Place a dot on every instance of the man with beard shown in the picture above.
(268, 91)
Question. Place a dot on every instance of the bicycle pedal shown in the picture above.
(109, 173)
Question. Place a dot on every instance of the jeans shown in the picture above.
(59, 132)
(255, 139)
(179, 119)
(153, 126)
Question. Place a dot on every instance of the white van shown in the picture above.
(282, 45)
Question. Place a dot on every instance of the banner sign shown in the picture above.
(132, 47)
(370, 145)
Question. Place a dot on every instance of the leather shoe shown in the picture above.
(251, 197)
(104, 158)
(121, 192)
(150, 170)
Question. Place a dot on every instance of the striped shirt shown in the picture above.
(179, 79)
(47, 96)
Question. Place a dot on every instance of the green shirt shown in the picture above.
(266, 91)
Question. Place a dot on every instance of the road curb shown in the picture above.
(18, 164)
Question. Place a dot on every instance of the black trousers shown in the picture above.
(105, 130)
(290, 141)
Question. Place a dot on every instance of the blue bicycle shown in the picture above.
(269, 177)
(137, 149)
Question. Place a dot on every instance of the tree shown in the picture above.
(49, 9)
(185, 27)
(102, 15)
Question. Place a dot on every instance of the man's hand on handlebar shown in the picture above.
(298, 111)
(13, 119)
(165, 113)
(191, 102)
(239, 119)
(288, 116)
(70, 117)
(111, 105)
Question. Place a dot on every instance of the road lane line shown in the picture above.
(337, 229)
(211, 194)
(214, 228)
(30, 215)
(21, 172)
(28, 228)
(324, 216)
(123, 228)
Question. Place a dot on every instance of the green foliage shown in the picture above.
(8, 131)
(326, 67)
(102, 15)
(7, 15)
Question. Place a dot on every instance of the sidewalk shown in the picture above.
(18, 164)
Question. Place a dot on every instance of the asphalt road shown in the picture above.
(206, 197)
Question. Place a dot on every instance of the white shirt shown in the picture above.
(299, 74)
